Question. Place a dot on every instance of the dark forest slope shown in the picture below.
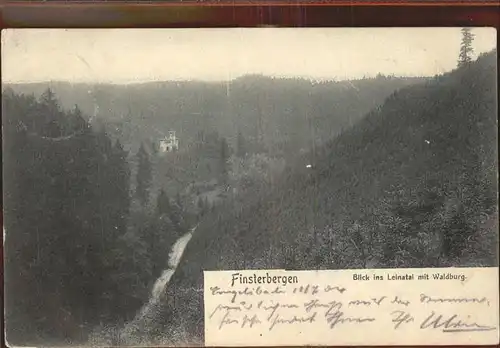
(414, 184)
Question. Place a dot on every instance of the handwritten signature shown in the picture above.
(452, 323)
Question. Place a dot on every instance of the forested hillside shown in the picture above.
(76, 255)
(413, 184)
(275, 114)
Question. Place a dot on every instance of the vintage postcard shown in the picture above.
(250, 187)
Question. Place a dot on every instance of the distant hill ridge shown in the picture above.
(284, 113)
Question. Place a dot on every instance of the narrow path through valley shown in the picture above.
(133, 331)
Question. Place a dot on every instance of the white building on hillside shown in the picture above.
(169, 143)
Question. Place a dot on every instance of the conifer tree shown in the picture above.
(178, 200)
(144, 176)
(154, 147)
(76, 120)
(200, 203)
(206, 205)
(121, 173)
(240, 146)
(48, 123)
(176, 216)
(466, 49)
(163, 203)
(224, 156)
(201, 206)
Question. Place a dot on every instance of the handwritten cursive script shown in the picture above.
(336, 308)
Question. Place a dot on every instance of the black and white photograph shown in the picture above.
(136, 159)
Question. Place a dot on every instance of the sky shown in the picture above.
(139, 55)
